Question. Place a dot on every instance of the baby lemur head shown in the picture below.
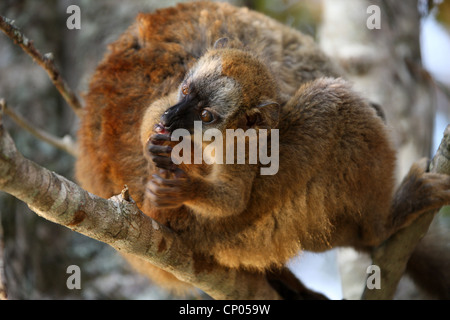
(226, 88)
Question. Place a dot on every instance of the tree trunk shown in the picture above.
(385, 66)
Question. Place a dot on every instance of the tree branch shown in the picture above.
(122, 225)
(3, 289)
(45, 61)
(393, 255)
(66, 144)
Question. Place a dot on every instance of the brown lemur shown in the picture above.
(334, 184)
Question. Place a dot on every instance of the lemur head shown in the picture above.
(226, 88)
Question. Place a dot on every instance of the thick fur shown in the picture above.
(335, 182)
(147, 62)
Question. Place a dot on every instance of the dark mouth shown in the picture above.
(169, 128)
(161, 129)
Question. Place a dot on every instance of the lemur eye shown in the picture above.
(206, 116)
(185, 89)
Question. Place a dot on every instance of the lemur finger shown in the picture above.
(163, 162)
(159, 138)
(179, 174)
(158, 149)
(159, 199)
(166, 182)
(159, 191)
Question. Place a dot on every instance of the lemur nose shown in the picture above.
(165, 118)
(164, 121)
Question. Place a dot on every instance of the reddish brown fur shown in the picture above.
(147, 62)
(333, 147)
(254, 77)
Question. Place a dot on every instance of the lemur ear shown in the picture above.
(264, 116)
(221, 43)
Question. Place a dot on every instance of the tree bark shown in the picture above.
(120, 224)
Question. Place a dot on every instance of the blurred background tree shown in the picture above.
(36, 253)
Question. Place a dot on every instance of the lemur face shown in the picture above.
(206, 95)
(220, 88)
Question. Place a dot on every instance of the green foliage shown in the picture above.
(441, 8)
(301, 15)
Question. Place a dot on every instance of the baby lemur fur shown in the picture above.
(334, 185)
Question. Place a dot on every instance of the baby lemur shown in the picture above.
(334, 185)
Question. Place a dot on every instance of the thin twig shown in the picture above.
(126, 193)
(66, 144)
(45, 61)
